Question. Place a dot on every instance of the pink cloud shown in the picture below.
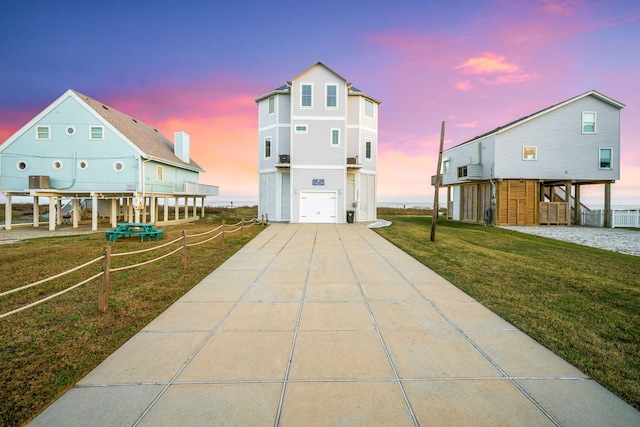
(487, 63)
(467, 125)
(560, 7)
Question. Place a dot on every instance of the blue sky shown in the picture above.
(198, 66)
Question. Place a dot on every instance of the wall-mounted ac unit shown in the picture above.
(38, 181)
(284, 158)
(352, 160)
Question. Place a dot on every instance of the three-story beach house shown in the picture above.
(317, 138)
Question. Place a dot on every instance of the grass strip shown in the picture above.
(581, 303)
(46, 349)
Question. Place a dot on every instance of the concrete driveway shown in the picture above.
(314, 325)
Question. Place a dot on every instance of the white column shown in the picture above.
(8, 208)
(165, 217)
(195, 207)
(76, 212)
(177, 209)
(144, 209)
(36, 211)
(202, 199)
(59, 211)
(52, 213)
(153, 206)
(114, 212)
(94, 212)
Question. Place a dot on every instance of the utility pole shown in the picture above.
(434, 215)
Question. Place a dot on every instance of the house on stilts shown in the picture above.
(93, 162)
(530, 171)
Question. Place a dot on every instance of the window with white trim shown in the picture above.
(43, 133)
(96, 132)
(272, 104)
(332, 96)
(367, 149)
(70, 130)
(22, 165)
(301, 129)
(368, 108)
(589, 122)
(446, 164)
(159, 174)
(267, 147)
(462, 171)
(306, 91)
(606, 155)
(529, 152)
(335, 137)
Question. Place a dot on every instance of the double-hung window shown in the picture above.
(96, 132)
(306, 99)
(159, 174)
(272, 104)
(367, 149)
(267, 147)
(589, 122)
(335, 137)
(332, 96)
(462, 171)
(368, 108)
(43, 133)
(605, 158)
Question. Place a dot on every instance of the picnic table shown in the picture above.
(125, 229)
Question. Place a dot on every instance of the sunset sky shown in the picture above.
(199, 65)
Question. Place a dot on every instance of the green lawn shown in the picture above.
(581, 303)
(46, 349)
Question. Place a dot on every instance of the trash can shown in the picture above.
(350, 216)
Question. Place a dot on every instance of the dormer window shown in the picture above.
(588, 122)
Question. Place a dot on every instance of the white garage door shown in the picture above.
(318, 207)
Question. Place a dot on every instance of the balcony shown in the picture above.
(197, 189)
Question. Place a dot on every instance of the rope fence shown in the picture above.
(107, 268)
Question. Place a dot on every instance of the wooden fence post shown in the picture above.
(103, 298)
(184, 250)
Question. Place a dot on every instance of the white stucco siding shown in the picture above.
(562, 150)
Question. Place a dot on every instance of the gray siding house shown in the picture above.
(87, 157)
(317, 138)
(530, 171)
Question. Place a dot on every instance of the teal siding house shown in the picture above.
(91, 160)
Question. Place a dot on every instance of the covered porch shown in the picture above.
(74, 208)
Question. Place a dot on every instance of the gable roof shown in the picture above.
(284, 89)
(544, 111)
(145, 139)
